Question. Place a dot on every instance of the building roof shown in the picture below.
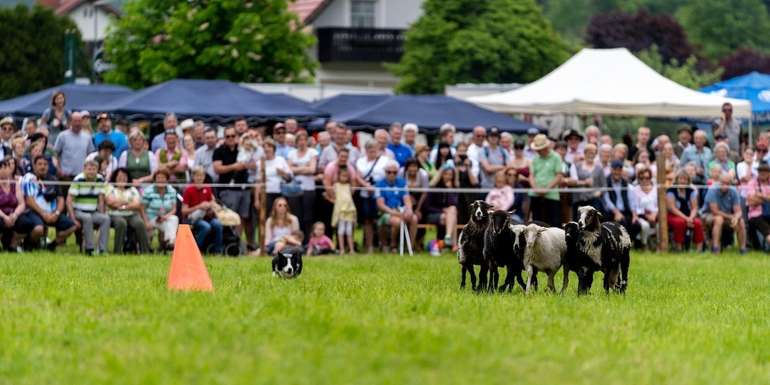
(67, 6)
(307, 10)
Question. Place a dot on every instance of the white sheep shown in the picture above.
(544, 251)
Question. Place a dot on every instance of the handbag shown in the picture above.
(291, 189)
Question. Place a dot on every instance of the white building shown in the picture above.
(356, 38)
(91, 16)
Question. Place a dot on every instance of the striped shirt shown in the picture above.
(156, 204)
(32, 187)
(85, 193)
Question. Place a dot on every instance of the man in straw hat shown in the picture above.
(545, 174)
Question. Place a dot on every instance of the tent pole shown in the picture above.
(751, 129)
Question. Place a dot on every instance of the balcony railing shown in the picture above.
(359, 44)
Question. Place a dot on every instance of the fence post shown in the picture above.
(662, 209)
(262, 206)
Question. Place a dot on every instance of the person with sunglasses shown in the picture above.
(729, 127)
(395, 206)
(236, 197)
(644, 200)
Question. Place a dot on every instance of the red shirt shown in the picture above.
(193, 196)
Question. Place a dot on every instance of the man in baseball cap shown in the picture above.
(105, 131)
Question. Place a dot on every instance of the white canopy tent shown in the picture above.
(609, 82)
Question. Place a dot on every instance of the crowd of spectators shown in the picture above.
(328, 183)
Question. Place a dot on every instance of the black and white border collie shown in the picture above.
(288, 263)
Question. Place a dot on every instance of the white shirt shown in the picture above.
(743, 170)
(307, 181)
(474, 152)
(363, 165)
(272, 179)
(643, 202)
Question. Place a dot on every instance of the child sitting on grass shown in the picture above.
(319, 243)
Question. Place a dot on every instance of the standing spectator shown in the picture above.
(7, 129)
(125, 209)
(593, 133)
(104, 131)
(401, 151)
(383, 139)
(11, 205)
(722, 159)
(204, 154)
(241, 125)
(545, 175)
(506, 142)
(617, 204)
(520, 162)
(644, 200)
(56, 118)
(104, 158)
(520, 206)
(87, 123)
(605, 157)
(344, 214)
(303, 161)
(85, 205)
(45, 206)
(685, 138)
(137, 160)
(621, 153)
(159, 201)
(682, 204)
(395, 205)
(747, 169)
(699, 154)
(279, 138)
(230, 171)
(574, 146)
(642, 143)
(587, 174)
(440, 207)
(329, 154)
(446, 135)
(38, 144)
(324, 140)
(671, 162)
(443, 157)
(724, 207)
(281, 224)
(276, 172)
(410, 136)
(371, 169)
(29, 127)
(198, 132)
(476, 147)
(71, 147)
(188, 149)
(467, 176)
(291, 126)
(529, 153)
(171, 158)
(422, 155)
(492, 159)
(198, 206)
(729, 127)
(169, 124)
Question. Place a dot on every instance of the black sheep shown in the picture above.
(499, 251)
(471, 243)
(606, 244)
(576, 260)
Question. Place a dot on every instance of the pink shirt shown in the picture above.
(331, 169)
(753, 187)
(319, 243)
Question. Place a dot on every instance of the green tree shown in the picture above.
(458, 41)
(685, 73)
(32, 47)
(721, 27)
(249, 41)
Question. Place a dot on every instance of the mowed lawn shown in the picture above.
(686, 319)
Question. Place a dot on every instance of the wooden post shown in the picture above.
(262, 206)
(662, 210)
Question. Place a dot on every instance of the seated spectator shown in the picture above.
(198, 207)
(422, 154)
(107, 163)
(617, 204)
(758, 199)
(670, 161)
(721, 158)
(85, 205)
(395, 205)
(443, 156)
(281, 227)
(684, 134)
(621, 153)
(11, 205)
(682, 204)
(747, 169)
(45, 207)
(159, 201)
(138, 162)
(501, 195)
(440, 208)
(188, 149)
(587, 174)
(125, 209)
(416, 178)
(401, 151)
(724, 208)
(644, 200)
(172, 159)
(319, 243)
(605, 157)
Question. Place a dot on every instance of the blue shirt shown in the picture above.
(702, 159)
(393, 198)
(116, 137)
(401, 151)
(726, 201)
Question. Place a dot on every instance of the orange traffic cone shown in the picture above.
(188, 272)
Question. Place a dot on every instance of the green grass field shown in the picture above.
(67, 319)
